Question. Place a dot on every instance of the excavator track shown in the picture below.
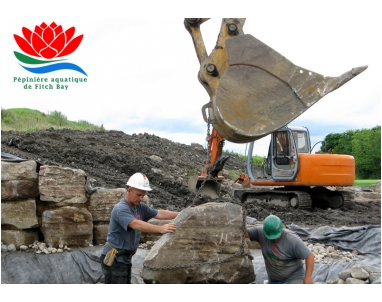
(292, 199)
(305, 198)
(348, 199)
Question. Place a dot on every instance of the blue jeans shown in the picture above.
(118, 273)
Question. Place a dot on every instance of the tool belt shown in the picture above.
(113, 253)
(124, 253)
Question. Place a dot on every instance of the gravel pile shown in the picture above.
(38, 247)
(329, 254)
(357, 275)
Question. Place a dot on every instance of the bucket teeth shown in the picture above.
(334, 83)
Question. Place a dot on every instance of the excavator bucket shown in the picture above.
(202, 186)
(262, 91)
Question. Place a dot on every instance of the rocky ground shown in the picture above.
(109, 158)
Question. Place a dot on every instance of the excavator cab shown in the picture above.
(286, 143)
(283, 157)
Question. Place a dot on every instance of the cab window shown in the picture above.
(301, 141)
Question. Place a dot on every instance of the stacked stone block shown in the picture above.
(19, 191)
(52, 204)
(100, 205)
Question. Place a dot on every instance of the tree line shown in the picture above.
(364, 145)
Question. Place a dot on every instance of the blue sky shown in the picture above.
(142, 67)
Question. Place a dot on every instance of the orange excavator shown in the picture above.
(255, 91)
(298, 177)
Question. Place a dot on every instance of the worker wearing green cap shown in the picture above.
(283, 253)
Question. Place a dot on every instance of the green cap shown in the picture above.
(273, 227)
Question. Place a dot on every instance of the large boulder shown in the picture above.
(19, 180)
(150, 237)
(62, 186)
(67, 226)
(208, 246)
(153, 236)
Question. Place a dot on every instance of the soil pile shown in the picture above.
(110, 158)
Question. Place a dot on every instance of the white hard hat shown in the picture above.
(139, 181)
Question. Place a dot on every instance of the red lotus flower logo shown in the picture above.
(47, 42)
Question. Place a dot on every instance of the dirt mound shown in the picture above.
(110, 158)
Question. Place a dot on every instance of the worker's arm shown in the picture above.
(164, 214)
(309, 265)
(145, 227)
(252, 233)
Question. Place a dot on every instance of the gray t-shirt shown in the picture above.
(283, 260)
(119, 235)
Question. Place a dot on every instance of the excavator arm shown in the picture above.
(253, 89)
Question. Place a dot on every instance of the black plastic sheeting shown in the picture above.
(364, 239)
(10, 157)
(81, 265)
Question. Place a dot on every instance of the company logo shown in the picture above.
(47, 42)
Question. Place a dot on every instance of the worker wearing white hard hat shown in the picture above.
(128, 219)
(139, 181)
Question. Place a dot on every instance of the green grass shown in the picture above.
(365, 182)
(234, 174)
(257, 160)
(24, 119)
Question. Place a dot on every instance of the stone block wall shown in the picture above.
(51, 204)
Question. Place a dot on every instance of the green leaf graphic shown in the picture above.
(28, 60)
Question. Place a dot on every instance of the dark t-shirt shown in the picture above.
(120, 236)
(283, 260)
